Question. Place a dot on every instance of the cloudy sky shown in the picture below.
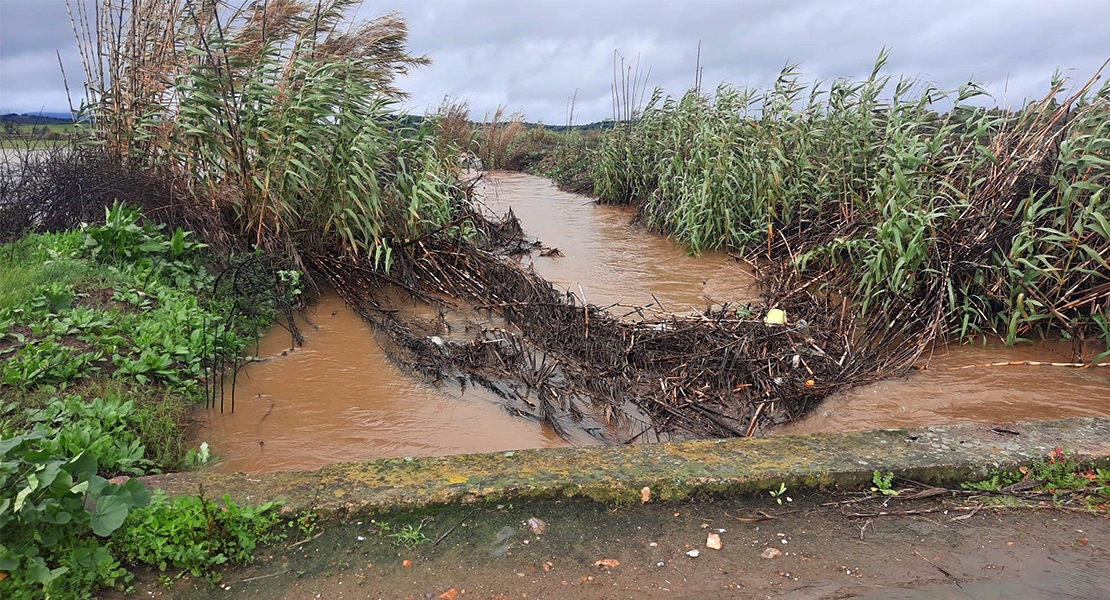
(533, 55)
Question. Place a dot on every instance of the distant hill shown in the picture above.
(39, 119)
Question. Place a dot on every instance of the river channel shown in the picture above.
(338, 398)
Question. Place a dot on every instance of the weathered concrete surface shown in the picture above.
(937, 455)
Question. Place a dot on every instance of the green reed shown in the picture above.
(890, 191)
(280, 113)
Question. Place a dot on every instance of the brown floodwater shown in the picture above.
(947, 393)
(339, 398)
(612, 260)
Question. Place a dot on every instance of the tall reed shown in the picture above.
(280, 113)
(892, 192)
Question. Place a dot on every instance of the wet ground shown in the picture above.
(815, 552)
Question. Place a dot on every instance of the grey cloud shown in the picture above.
(532, 56)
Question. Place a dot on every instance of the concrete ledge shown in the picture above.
(937, 455)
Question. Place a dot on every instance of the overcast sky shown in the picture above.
(533, 55)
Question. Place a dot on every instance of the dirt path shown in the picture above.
(822, 552)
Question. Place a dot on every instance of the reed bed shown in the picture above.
(892, 193)
(280, 114)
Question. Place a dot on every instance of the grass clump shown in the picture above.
(193, 535)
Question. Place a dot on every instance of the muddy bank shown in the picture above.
(491, 553)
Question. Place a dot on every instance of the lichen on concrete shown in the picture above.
(674, 471)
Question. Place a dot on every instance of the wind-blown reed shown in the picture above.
(997, 221)
(281, 113)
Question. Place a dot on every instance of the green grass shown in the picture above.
(113, 311)
(36, 261)
(103, 333)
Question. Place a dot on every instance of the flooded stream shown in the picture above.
(338, 398)
(606, 258)
(949, 391)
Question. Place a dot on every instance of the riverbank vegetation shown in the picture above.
(107, 335)
(270, 131)
(891, 193)
(238, 158)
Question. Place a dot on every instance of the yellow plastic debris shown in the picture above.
(775, 316)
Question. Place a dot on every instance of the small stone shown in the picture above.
(406, 563)
(645, 495)
(771, 553)
(693, 554)
(608, 563)
(713, 541)
(537, 525)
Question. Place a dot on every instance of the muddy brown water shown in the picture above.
(948, 393)
(339, 398)
(606, 258)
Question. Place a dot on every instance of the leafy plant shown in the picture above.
(53, 509)
(779, 494)
(882, 483)
(195, 535)
(102, 427)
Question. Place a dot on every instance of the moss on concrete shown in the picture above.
(675, 471)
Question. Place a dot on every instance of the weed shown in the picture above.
(882, 483)
(54, 511)
(1061, 475)
(779, 494)
(195, 535)
(409, 535)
